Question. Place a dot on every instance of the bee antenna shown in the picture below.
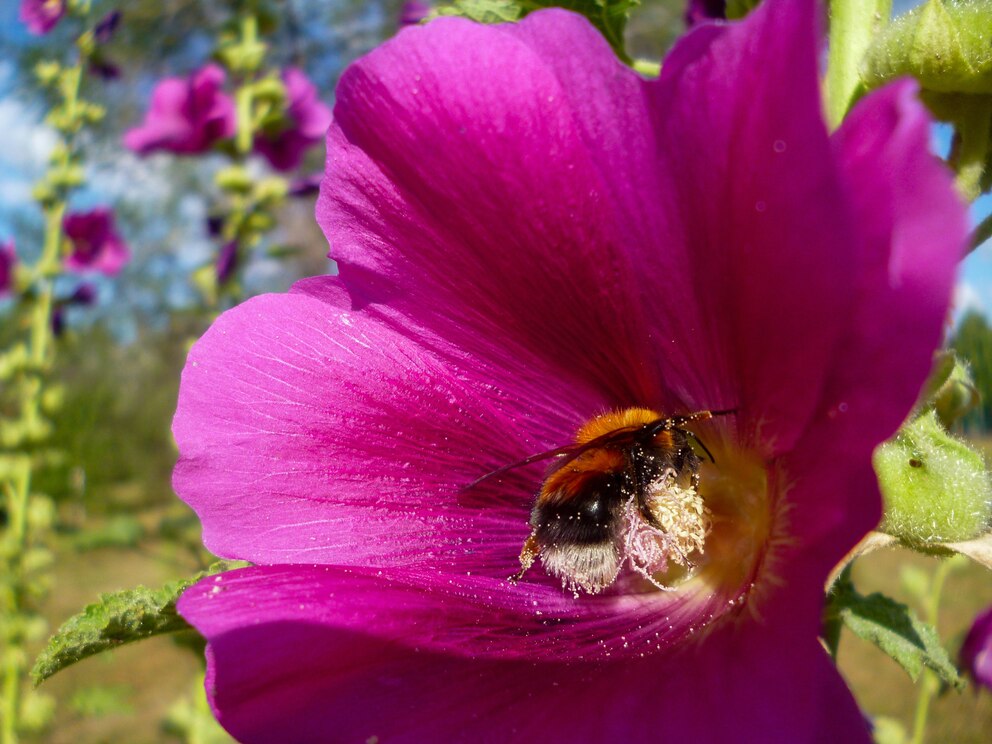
(723, 412)
(700, 443)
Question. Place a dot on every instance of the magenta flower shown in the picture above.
(307, 119)
(976, 652)
(41, 16)
(187, 116)
(8, 262)
(96, 246)
(529, 235)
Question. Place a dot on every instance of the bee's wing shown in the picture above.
(568, 453)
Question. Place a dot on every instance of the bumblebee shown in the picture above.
(625, 492)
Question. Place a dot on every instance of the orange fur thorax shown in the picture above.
(605, 423)
(571, 479)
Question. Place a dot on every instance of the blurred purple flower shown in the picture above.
(103, 68)
(41, 16)
(96, 246)
(99, 63)
(84, 296)
(517, 257)
(698, 11)
(413, 12)
(976, 653)
(227, 261)
(305, 186)
(187, 116)
(8, 262)
(307, 119)
(106, 27)
(215, 224)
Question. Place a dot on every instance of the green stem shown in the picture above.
(973, 132)
(17, 486)
(929, 683)
(244, 98)
(982, 233)
(852, 25)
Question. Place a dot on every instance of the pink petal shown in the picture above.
(766, 227)
(311, 431)
(293, 657)
(439, 207)
(653, 202)
(914, 230)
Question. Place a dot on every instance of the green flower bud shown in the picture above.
(957, 396)
(946, 45)
(271, 191)
(205, 280)
(68, 176)
(270, 89)
(86, 43)
(36, 711)
(234, 179)
(41, 512)
(934, 486)
(48, 72)
(52, 398)
(259, 222)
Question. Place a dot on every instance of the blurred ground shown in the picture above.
(883, 688)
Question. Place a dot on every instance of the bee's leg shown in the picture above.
(528, 555)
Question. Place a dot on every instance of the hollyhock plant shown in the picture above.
(307, 119)
(187, 116)
(976, 652)
(96, 246)
(330, 435)
(8, 261)
(41, 16)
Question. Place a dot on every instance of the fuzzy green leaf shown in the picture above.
(894, 628)
(118, 618)
(609, 16)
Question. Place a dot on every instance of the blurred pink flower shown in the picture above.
(8, 262)
(307, 119)
(96, 246)
(530, 234)
(976, 652)
(187, 116)
(41, 16)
